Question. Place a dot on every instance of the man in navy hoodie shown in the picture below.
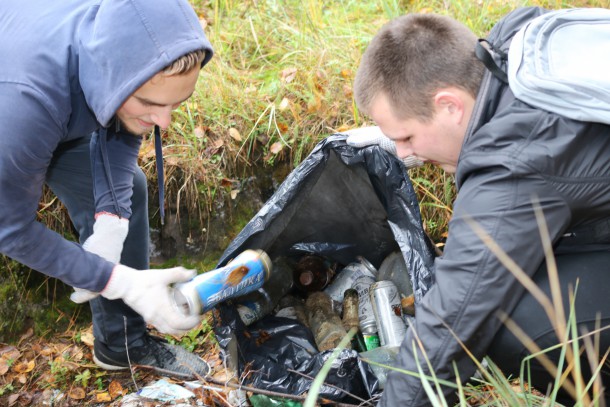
(80, 83)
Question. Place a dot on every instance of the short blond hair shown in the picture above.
(185, 63)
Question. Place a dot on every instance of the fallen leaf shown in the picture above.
(234, 133)
(276, 147)
(346, 73)
(102, 397)
(199, 133)
(12, 399)
(220, 142)
(288, 74)
(87, 338)
(284, 104)
(115, 389)
(234, 193)
(27, 334)
(3, 366)
(24, 367)
(77, 393)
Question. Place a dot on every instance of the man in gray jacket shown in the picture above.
(422, 84)
(81, 82)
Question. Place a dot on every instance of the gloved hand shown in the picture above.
(109, 233)
(148, 293)
(367, 136)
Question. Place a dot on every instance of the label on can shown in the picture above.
(388, 313)
(365, 309)
(246, 273)
(347, 276)
(371, 341)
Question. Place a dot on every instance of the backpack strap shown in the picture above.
(486, 55)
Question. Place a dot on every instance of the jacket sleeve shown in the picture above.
(28, 136)
(472, 285)
(114, 157)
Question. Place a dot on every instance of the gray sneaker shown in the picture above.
(156, 354)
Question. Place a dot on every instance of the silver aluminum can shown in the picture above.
(246, 273)
(388, 313)
(365, 308)
(346, 277)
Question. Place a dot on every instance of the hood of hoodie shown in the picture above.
(124, 43)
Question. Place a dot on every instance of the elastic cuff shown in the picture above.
(106, 214)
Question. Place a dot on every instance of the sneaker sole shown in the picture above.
(107, 366)
(185, 376)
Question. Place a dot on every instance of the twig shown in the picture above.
(131, 368)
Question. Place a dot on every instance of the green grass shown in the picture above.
(281, 81)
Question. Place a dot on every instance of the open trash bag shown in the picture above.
(340, 202)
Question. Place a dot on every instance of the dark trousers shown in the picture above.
(592, 307)
(69, 177)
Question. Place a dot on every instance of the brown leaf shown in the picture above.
(288, 74)
(102, 397)
(199, 133)
(284, 104)
(234, 133)
(115, 389)
(9, 352)
(3, 366)
(276, 147)
(220, 142)
(77, 393)
(12, 399)
(27, 334)
(87, 338)
(24, 367)
(346, 73)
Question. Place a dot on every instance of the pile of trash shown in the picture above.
(286, 330)
(348, 252)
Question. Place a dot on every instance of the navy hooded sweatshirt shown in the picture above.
(66, 68)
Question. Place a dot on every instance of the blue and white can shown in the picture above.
(246, 273)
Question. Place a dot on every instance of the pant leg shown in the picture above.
(69, 177)
(591, 304)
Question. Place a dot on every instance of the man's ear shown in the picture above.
(450, 101)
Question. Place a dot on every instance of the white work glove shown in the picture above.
(109, 233)
(147, 292)
(367, 136)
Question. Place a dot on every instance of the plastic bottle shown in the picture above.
(394, 268)
(384, 355)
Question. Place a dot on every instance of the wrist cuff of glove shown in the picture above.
(116, 285)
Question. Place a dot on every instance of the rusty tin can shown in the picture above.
(388, 313)
(246, 273)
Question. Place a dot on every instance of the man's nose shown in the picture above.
(162, 116)
(403, 150)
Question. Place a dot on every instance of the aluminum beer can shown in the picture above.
(388, 313)
(346, 277)
(246, 273)
(365, 308)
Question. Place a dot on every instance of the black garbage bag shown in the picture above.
(281, 356)
(340, 202)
